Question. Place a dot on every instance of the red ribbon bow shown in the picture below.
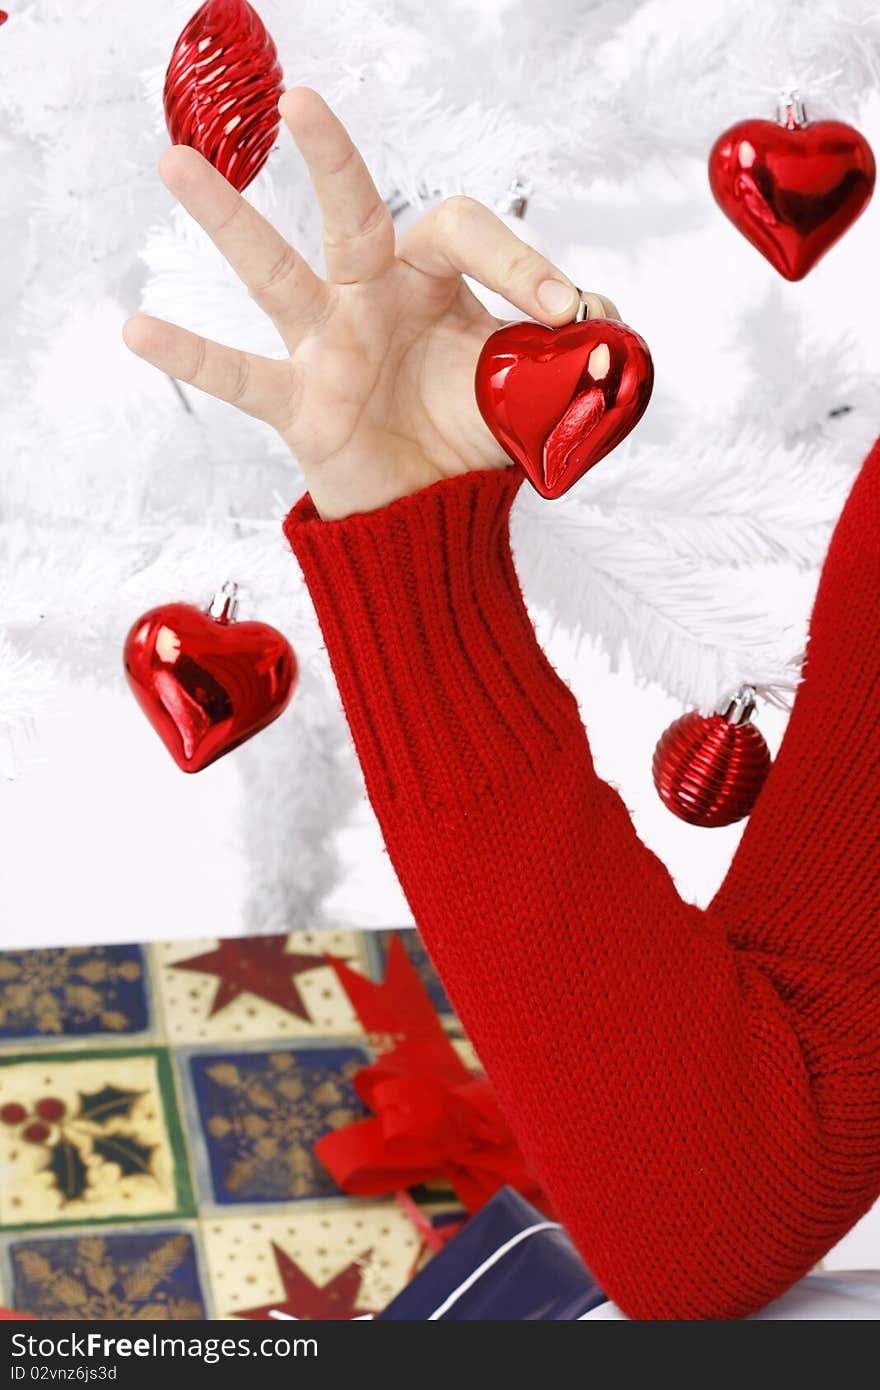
(432, 1117)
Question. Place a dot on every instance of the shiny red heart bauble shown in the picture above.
(792, 190)
(207, 684)
(222, 89)
(708, 771)
(559, 399)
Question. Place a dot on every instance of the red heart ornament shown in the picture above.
(206, 684)
(559, 399)
(792, 190)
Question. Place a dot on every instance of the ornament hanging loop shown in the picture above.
(223, 607)
(739, 706)
(790, 109)
(583, 309)
(515, 201)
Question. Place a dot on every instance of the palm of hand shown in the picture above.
(387, 384)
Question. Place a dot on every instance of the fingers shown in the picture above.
(358, 231)
(461, 236)
(257, 385)
(278, 278)
(600, 307)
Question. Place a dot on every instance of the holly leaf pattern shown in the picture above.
(107, 1104)
(68, 1169)
(130, 1156)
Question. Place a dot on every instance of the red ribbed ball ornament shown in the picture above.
(709, 768)
(222, 89)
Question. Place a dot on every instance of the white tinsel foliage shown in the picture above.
(301, 774)
(121, 491)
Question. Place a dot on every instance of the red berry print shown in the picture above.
(13, 1113)
(36, 1133)
(50, 1108)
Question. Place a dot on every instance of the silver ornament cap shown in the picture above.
(790, 109)
(738, 706)
(223, 607)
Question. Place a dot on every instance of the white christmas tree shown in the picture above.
(121, 490)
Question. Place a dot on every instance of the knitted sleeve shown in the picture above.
(698, 1092)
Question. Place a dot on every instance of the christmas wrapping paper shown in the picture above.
(159, 1107)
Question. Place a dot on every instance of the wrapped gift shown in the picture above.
(432, 1118)
(508, 1263)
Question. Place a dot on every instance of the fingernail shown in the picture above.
(555, 296)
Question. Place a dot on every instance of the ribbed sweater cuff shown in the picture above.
(427, 632)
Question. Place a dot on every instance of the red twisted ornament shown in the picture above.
(222, 89)
(709, 769)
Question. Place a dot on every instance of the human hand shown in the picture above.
(375, 396)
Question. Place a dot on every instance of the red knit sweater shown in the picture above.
(698, 1091)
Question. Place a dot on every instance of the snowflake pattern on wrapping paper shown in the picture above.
(263, 1112)
(72, 991)
(142, 1276)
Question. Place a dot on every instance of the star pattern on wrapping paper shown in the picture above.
(309, 1302)
(255, 965)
